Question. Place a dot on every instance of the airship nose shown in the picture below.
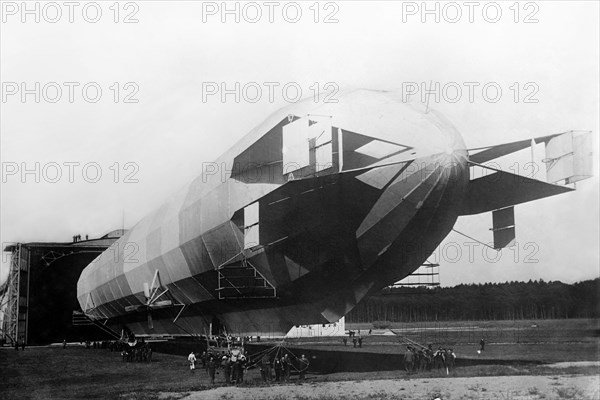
(451, 146)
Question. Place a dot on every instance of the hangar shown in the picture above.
(39, 296)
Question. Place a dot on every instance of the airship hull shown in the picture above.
(266, 238)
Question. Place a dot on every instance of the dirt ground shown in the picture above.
(51, 372)
(503, 387)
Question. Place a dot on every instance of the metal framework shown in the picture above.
(14, 293)
(52, 255)
(428, 275)
(80, 319)
(243, 280)
(10, 299)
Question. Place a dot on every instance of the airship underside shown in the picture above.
(311, 211)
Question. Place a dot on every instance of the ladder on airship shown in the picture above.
(80, 319)
(241, 280)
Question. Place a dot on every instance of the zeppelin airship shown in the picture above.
(311, 211)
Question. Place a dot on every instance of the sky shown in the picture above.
(124, 113)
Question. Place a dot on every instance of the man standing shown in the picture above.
(304, 363)
(408, 360)
(241, 368)
(234, 368)
(278, 369)
(192, 361)
(439, 358)
(429, 357)
(481, 345)
(422, 360)
(226, 364)
(265, 368)
(204, 358)
(286, 364)
(211, 366)
(450, 359)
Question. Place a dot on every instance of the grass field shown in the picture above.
(543, 341)
(542, 353)
(470, 332)
(76, 373)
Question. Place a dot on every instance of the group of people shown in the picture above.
(141, 352)
(234, 364)
(282, 367)
(355, 341)
(427, 359)
(20, 343)
(138, 351)
(94, 345)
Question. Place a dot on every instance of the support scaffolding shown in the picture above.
(428, 275)
(10, 298)
(41, 280)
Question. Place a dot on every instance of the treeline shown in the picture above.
(489, 301)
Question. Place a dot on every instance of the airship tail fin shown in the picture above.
(568, 159)
(502, 189)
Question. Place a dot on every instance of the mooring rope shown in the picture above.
(257, 357)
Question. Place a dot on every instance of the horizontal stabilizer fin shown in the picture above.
(492, 152)
(502, 189)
